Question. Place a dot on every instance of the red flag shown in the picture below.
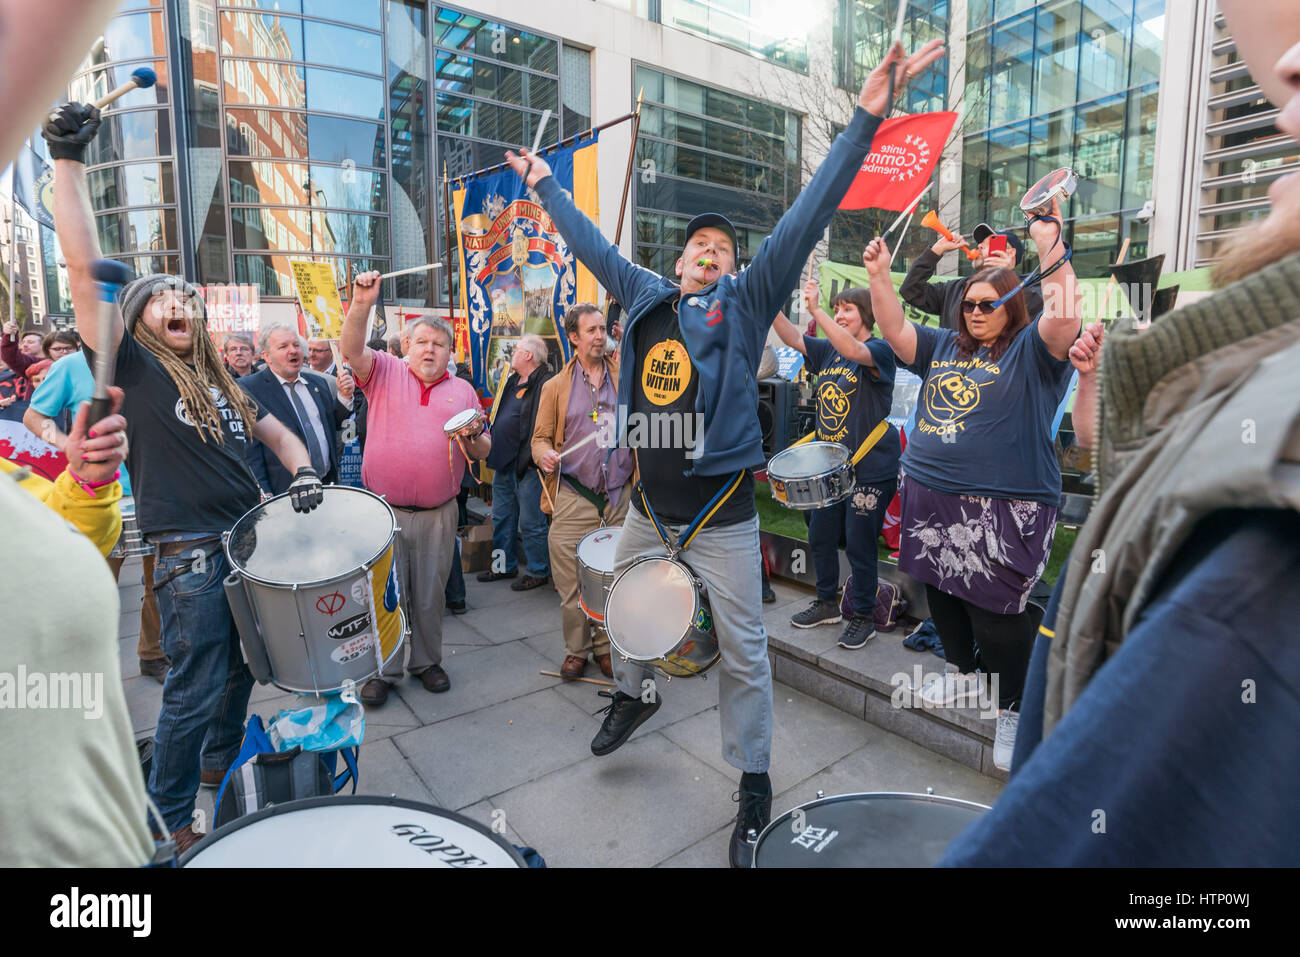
(904, 154)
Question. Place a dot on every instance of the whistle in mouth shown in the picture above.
(705, 262)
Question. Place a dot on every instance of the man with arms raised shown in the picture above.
(694, 350)
(416, 467)
(188, 424)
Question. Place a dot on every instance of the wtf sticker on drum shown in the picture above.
(666, 372)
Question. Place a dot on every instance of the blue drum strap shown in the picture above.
(699, 521)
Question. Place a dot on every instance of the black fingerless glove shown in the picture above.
(69, 129)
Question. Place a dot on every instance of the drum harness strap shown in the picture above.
(881, 427)
(700, 520)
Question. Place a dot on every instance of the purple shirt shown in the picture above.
(589, 464)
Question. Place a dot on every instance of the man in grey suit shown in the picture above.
(299, 398)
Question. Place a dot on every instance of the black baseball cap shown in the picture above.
(717, 221)
(983, 231)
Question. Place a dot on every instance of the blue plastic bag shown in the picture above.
(319, 724)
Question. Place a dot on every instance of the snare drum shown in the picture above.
(461, 422)
(812, 475)
(595, 558)
(878, 829)
(352, 831)
(658, 614)
(315, 596)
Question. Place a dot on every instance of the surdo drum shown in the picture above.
(811, 475)
(315, 596)
(877, 829)
(658, 614)
(352, 831)
(595, 558)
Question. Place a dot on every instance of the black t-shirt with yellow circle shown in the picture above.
(663, 423)
(851, 401)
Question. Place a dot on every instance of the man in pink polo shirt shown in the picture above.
(412, 463)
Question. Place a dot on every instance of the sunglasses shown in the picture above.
(986, 307)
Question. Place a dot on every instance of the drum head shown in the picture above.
(650, 608)
(274, 544)
(1061, 181)
(352, 831)
(882, 829)
(460, 420)
(807, 460)
(596, 550)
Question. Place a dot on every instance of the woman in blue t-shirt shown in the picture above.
(855, 388)
(981, 483)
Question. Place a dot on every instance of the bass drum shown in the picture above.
(875, 829)
(352, 831)
(315, 596)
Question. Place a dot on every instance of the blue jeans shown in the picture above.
(727, 559)
(205, 696)
(517, 506)
(861, 517)
(455, 590)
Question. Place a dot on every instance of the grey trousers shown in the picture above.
(426, 547)
(727, 560)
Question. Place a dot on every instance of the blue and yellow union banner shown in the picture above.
(518, 275)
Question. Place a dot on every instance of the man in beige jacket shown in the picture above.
(592, 485)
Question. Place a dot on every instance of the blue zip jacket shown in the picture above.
(724, 325)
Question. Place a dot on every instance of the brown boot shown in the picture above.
(606, 665)
(573, 667)
(211, 779)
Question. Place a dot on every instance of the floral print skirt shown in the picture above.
(987, 551)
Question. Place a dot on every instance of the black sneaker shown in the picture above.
(755, 799)
(623, 716)
(457, 607)
(857, 632)
(818, 613)
(769, 596)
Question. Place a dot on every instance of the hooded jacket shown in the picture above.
(724, 325)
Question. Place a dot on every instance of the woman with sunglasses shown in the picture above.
(981, 484)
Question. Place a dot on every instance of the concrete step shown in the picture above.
(870, 683)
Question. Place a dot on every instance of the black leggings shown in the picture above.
(973, 637)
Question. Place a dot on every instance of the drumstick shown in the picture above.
(140, 79)
(110, 275)
(541, 126)
(580, 443)
(590, 681)
(404, 272)
(1105, 296)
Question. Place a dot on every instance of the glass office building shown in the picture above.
(1063, 83)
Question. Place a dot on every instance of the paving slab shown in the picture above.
(806, 737)
(712, 851)
(490, 816)
(482, 753)
(642, 804)
(481, 676)
(680, 699)
(383, 769)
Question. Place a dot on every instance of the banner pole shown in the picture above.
(631, 160)
(446, 248)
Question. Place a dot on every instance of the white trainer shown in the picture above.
(1004, 739)
(952, 689)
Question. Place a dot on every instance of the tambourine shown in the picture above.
(462, 422)
(1038, 200)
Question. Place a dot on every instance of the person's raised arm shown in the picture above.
(788, 334)
(775, 267)
(1085, 355)
(69, 129)
(1059, 324)
(622, 280)
(841, 339)
(885, 307)
(358, 355)
(917, 290)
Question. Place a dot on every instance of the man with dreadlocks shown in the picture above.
(188, 426)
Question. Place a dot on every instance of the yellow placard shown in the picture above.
(319, 299)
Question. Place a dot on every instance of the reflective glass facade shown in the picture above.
(131, 162)
(761, 28)
(1063, 83)
(863, 31)
(704, 149)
